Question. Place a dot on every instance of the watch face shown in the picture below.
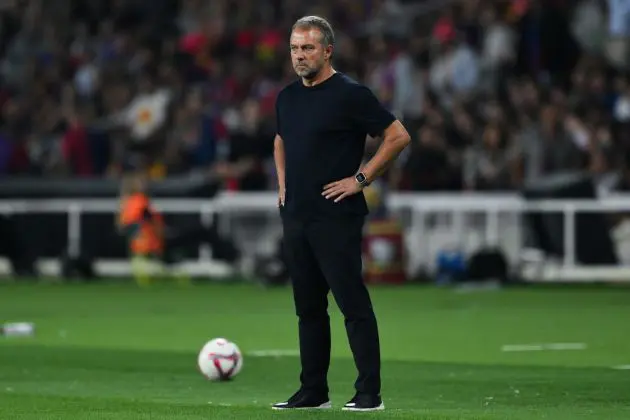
(360, 177)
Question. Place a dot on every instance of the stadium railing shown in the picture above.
(432, 222)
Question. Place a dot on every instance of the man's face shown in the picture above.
(308, 54)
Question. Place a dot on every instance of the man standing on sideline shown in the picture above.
(322, 123)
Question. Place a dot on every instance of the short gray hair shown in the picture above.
(308, 22)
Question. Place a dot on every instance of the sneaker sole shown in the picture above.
(324, 406)
(379, 408)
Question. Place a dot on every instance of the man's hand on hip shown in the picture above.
(342, 189)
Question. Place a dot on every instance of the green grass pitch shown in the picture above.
(113, 351)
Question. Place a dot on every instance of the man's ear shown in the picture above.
(329, 52)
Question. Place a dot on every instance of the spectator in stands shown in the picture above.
(618, 44)
(75, 145)
(192, 140)
(250, 146)
(408, 80)
(552, 145)
(427, 166)
(455, 71)
(489, 165)
(498, 45)
(589, 25)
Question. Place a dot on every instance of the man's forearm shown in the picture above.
(278, 157)
(395, 140)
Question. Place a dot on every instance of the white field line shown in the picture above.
(543, 347)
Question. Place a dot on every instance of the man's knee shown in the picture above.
(310, 309)
(312, 315)
(355, 305)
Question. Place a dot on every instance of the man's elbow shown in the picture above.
(402, 138)
(405, 140)
(396, 136)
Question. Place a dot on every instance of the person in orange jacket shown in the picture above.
(151, 243)
(143, 227)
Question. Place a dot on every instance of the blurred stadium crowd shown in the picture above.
(494, 92)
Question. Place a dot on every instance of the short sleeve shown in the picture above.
(368, 114)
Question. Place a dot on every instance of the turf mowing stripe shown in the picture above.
(543, 347)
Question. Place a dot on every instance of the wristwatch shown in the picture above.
(362, 179)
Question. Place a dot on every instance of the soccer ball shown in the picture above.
(220, 360)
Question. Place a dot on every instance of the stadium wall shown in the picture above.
(52, 219)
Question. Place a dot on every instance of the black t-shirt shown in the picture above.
(324, 129)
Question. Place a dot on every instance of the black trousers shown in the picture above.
(322, 256)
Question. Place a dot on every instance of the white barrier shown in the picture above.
(421, 232)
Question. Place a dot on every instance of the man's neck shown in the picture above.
(325, 74)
